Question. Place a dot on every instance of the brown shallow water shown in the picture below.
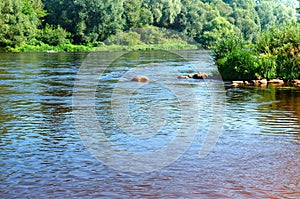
(42, 154)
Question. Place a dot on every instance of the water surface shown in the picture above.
(42, 153)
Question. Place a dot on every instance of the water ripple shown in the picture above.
(42, 155)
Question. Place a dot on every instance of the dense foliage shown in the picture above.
(90, 22)
(275, 54)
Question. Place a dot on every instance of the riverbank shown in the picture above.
(90, 48)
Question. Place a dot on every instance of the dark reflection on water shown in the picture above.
(41, 154)
(274, 110)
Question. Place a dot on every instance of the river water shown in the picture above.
(74, 125)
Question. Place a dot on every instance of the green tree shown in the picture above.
(224, 9)
(132, 12)
(284, 14)
(146, 17)
(273, 12)
(19, 21)
(247, 21)
(265, 11)
(233, 60)
(192, 18)
(126, 38)
(164, 11)
(216, 29)
(87, 20)
(101, 18)
(68, 15)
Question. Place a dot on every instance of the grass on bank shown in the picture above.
(82, 48)
(48, 48)
(90, 48)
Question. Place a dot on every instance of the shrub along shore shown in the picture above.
(275, 54)
(90, 48)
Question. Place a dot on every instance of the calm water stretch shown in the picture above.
(70, 125)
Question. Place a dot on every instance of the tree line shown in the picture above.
(90, 22)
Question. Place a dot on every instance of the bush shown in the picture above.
(267, 66)
(288, 62)
(125, 38)
(280, 47)
(227, 45)
(54, 36)
(240, 64)
(276, 54)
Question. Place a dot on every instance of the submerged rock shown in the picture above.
(199, 75)
(237, 83)
(296, 82)
(141, 78)
(276, 81)
(260, 82)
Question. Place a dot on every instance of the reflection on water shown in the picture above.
(42, 155)
(274, 110)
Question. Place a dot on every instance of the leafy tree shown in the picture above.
(276, 12)
(164, 11)
(19, 21)
(146, 17)
(284, 14)
(265, 11)
(240, 65)
(224, 9)
(226, 45)
(216, 29)
(127, 39)
(247, 21)
(102, 18)
(192, 17)
(87, 20)
(289, 3)
(132, 12)
(233, 60)
(68, 15)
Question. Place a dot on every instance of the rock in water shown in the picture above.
(199, 75)
(141, 78)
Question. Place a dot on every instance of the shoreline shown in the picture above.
(263, 83)
(105, 48)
